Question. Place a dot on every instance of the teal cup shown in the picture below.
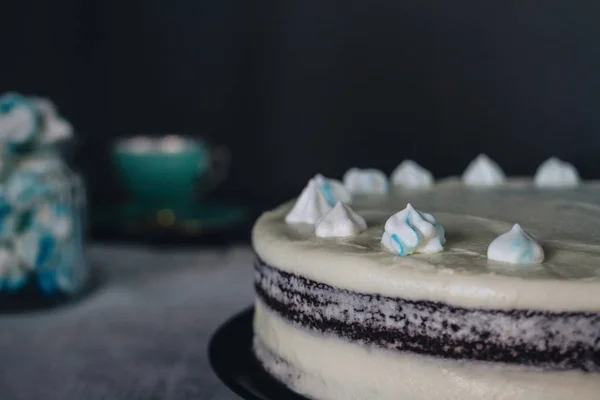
(171, 171)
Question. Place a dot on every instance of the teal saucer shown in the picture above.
(191, 221)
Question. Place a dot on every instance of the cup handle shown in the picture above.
(220, 161)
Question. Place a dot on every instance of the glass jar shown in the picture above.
(42, 209)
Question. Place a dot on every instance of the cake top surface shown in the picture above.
(566, 222)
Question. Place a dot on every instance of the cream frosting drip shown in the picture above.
(566, 222)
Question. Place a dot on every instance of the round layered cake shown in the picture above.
(346, 318)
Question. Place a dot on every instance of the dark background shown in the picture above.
(299, 87)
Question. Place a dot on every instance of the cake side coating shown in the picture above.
(547, 340)
(331, 368)
(565, 222)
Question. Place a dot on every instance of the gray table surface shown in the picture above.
(142, 334)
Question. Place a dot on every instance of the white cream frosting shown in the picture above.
(329, 368)
(483, 172)
(410, 231)
(516, 247)
(565, 221)
(310, 207)
(556, 173)
(411, 175)
(340, 221)
(369, 180)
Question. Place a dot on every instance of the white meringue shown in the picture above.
(333, 190)
(368, 180)
(411, 175)
(316, 199)
(516, 247)
(411, 231)
(556, 173)
(483, 172)
(310, 206)
(340, 221)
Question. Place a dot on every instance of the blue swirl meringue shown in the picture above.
(411, 231)
(333, 190)
(516, 247)
(19, 120)
(316, 199)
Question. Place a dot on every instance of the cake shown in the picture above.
(343, 317)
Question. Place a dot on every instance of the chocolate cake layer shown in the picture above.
(553, 340)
